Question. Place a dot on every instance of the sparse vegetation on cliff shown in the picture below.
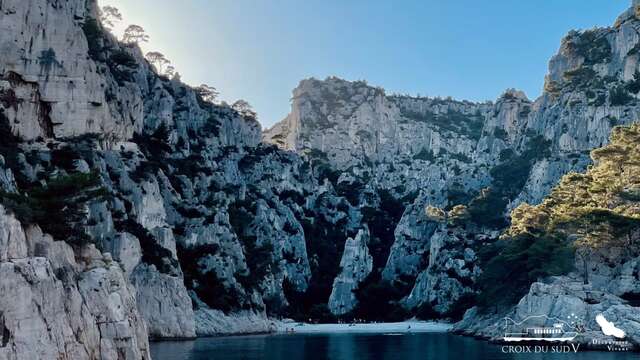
(58, 206)
(585, 213)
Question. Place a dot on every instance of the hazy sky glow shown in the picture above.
(259, 50)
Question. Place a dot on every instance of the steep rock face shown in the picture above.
(205, 221)
(411, 248)
(420, 151)
(215, 323)
(164, 303)
(356, 264)
(451, 272)
(52, 307)
(442, 153)
(50, 87)
(358, 128)
(558, 299)
(58, 83)
(589, 226)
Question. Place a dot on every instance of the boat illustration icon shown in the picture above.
(539, 328)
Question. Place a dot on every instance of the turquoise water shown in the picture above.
(424, 346)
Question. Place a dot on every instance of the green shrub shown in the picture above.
(581, 77)
(459, 307)
(122, 66)
(456, 311)
(350, 191)
(509, 177)
(524, 112)
(511, 265)
(619, 96)
(426, 117)
(454, 121)
(382, 222)
(634, 85)
(9, 144)
(594, 48)
(321, 313)
(596, 98)
(94, 35)
(425, 311)
(425, 155)
(460, 157)
(457, 195)
(259, 258)
(291, 195)
(206, 284)
(303, 307)
(500, 134)
(211, 126)
(155, 147)
(64, 158)
(123, 58)
(59, 206)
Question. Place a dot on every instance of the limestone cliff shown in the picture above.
(488, 157)
(593, 215)
(210, 228)
(355, 266)
(57, 304)
(142, 210)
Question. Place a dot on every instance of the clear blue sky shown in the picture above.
(259, 50)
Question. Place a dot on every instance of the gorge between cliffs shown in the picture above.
(134, 208)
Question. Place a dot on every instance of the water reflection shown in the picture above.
(424, 346)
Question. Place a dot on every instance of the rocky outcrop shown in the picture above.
(211, 322)
(355, 266)
(54, 307)
(186, 199)
(452, 270)
(422, 151)
(411, 249)
(442, 152)
(164, 303)
(50, 87)
(563, 298)
(589, 226)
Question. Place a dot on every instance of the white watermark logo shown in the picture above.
(548, 334)
(545, 334)
(542, 328)
(608, 328)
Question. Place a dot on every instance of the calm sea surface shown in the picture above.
(353, 346)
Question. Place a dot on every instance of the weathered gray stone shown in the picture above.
(54, 308)
(164, 303)
(356, 264)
